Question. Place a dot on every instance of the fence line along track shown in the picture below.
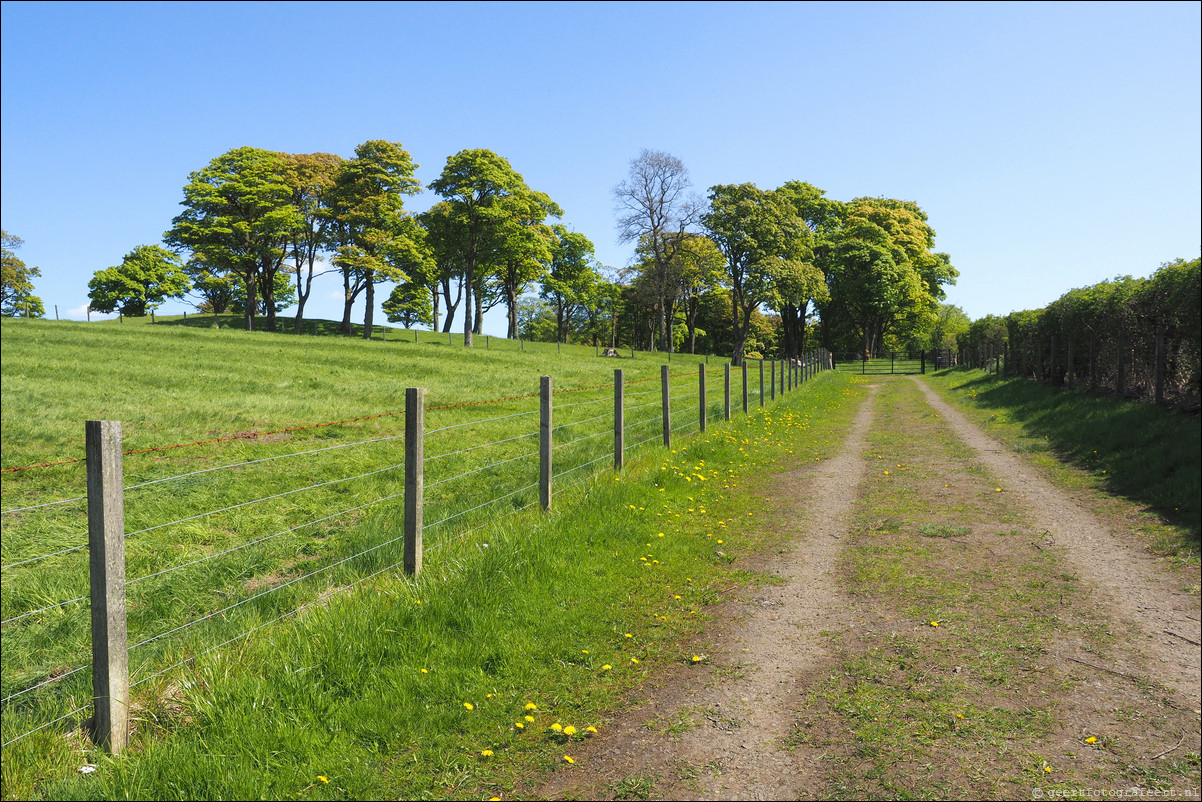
(410, 537)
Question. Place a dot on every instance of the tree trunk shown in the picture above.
(369, 312)
(511, 301)
(469, 276)
(434, 295)
(348, 301)
(251, 301)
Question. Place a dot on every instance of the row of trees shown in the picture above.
(259, 226)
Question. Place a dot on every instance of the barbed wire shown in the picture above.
(478, 422)
(581, 439)
(44, 683)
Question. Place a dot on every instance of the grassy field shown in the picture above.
(177, 384)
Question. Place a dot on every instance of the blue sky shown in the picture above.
(1052, 145)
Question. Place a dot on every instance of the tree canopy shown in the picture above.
(147, 276)
(16, 291)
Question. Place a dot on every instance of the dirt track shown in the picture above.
(717, 733)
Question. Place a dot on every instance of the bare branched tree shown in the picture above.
(655, 208)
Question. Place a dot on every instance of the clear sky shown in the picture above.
(1052, 145)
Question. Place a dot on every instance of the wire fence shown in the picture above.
(217, 553)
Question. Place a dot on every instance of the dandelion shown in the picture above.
(1048, 769)
(557, 727)
(606, 667)
(519, 725)
(934, 623)
(323, 779)
(697, 658)
(1091, 739)
(425, 671)
(634, 660)
(568, 759)
(485, 753)
(469, 706)
(529, 718)
(531, 706)
(569, 730)
(629, 635)
(592, 730)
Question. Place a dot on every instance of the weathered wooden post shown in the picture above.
(726, 393)
(544, 442)
(701, 395)
(773, 382)
(761, 382)
(106, 569)
(415, 427)
(663, 391)
(619, 419)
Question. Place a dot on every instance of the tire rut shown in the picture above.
(1132, 583)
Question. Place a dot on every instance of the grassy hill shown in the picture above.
(227, 539)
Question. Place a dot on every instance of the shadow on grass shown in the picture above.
(284, 325)
(1150, 455)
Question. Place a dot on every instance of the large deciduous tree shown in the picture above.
(485, 197)
(375, 233)
(762, 238)
(147, 276)
(16, 290)
(238, 217)
(655, 209)
(310, 177)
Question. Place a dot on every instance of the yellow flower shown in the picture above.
(569, 730)
(591, 729)
(629, 635)
(531, 706)
(696, 658)
(425, 671)
(1048, 769)
(568, 759)
(519, 725)
(999, 490)
(323, 779)
(634, 660)
(469, 705)
(557, 727)
(1091, 740)
(606, 667)
(486, 753)
(934, 623)
(530, 719)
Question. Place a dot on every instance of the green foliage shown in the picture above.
(410, 303)
(763, 239)
(1110, 331)
(238, 216)
(16, 288)
(884, 280)
(950, 325)
(376, 237)
(147, 276)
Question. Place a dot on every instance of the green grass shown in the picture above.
(510, 608)
(1151, 456)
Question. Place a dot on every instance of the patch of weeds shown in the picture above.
(634, 787)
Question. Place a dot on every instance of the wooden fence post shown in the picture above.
(106, 569)
(788, 368)
(544, 442)
(663, 391)
(744, 385)
(701, 394)
(726, 394)
(619, 419)
(773, 380)
(415, 426)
